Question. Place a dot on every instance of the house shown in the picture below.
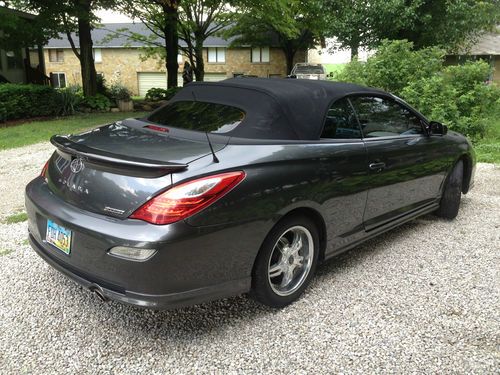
(120, 60)
(22, 64)
(487, 48)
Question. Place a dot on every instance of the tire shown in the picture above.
(285, 265)
(452, 193)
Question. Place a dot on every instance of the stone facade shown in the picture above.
(123, 65)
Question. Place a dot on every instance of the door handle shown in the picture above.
(376, 166)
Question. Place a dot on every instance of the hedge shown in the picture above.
(24, 101)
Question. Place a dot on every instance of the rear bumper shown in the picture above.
(192, 264)
(153, 301)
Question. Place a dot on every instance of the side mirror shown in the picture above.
(437, 128)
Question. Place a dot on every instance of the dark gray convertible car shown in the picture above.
(239, 186)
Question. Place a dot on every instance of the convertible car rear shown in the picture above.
(239, 186)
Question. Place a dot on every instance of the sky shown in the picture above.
(108, 16)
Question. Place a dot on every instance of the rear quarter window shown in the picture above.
(200, 116)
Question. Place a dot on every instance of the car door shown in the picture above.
(343, 190)
(405, 172)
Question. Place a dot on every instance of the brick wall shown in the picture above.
(123, 64)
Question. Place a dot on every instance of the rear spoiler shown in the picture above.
(96, 156)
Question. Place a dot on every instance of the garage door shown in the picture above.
(150, 80)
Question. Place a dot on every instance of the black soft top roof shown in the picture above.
(275, 108)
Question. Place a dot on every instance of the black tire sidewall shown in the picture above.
(452, 193)
(261, 289)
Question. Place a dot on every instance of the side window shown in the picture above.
(380, 117)
(341, 122)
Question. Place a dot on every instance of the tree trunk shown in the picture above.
(199, 68)
(89, 75)
(354, 51)
(171, 43)
(289, 56)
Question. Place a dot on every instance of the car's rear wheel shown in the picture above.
(452, 193)
(286, 262)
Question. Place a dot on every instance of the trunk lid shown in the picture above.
(114, 169)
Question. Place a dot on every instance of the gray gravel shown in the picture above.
(422, 298)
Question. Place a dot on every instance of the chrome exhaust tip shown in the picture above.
(98, 292)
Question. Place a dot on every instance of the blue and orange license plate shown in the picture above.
(58, 236)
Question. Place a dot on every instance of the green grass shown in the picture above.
(38, 131)
(16, 218)
(488, 149)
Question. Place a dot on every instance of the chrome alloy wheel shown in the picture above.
(291, 260)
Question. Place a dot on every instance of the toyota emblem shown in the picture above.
(77, 165)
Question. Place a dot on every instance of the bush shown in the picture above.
(394, 65)
(24, 101)
(119, 92)
(458, 97)
(102, 88)
(98, 102)
(156, 94)
(70, 99)
(454, 95)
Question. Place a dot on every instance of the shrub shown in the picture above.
(156, 94)
(119, 92)
(458, 97)
(98, 102)
(394, 65)
(102, 88)
(70, 99)
(454, 95)
(24, 101)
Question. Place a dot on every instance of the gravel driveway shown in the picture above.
(421, 298)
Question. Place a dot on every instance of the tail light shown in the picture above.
(186, 199)
(43, 173)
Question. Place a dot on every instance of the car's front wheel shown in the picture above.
(286, 262)
(452, 193)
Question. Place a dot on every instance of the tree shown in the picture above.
(200, 19)
(444, 23)
(67, 16)
(161, 18)
(22, 31)
(193, 23)
(447, 24)
(291, 25)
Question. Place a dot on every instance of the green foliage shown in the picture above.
(454, 95)
(447, 24)
(24, 101)
(156, 94)
(70, 99)
(291, 25)
(19, 32)
(119, 92)
(458, 96)
(102, 88)
(97, 102)
(394, 65)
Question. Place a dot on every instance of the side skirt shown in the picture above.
(384, 228)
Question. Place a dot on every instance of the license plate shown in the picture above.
(58, 236)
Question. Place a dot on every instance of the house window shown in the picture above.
(96, 53)
(56, 55)
(216, 55)
(14, 59)
(58, 80)
(260, 54)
